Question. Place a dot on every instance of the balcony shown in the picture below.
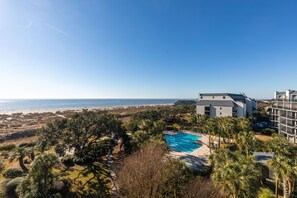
(288, 105)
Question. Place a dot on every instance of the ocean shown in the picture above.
(14, 105)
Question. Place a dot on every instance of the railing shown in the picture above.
(285, 105)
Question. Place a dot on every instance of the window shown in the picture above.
(220, 108)
(201, 97)
(213, 97)
(220, 113)
(224, 97)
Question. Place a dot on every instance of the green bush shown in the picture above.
(268, 131)
(3, 184)
(68, 160)
(13, 184)
(62, 186)
(206, 171)
(60, 150)
(5, 154)
(8, 147)
(29, 144)
(13, 173)
(265, 193)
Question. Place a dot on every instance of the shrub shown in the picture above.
(5, 154)
(265, 193)
(206, 171)
(268, 131)
(2, 166)
(27, 161)
(176, 127)
(68, 160)
(8, 147)
(13, 184)
(13, 173)
(62, 186)
(27, 144)
(199, 187)
(60, 150)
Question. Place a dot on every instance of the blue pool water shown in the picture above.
(183, 142)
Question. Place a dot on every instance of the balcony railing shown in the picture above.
(285, 105)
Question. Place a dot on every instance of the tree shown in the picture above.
(176, 127)
(210, 128)
(84, 132)
(242, 124)
(148, 173)
(283, 164)
(265, 193)
(245, 142)
(51, 133)
(236, 174)
(226, 128)
(20, 153)
(41, 178)
(199, 120)
(275, 165)
(2, 166)
(202, 188)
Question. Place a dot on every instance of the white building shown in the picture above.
(284, 114)
(225, 104)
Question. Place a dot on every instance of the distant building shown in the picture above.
(225, 104)
(284, 114)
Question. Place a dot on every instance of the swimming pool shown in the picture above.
(183, 142)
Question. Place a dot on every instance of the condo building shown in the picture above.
(284, 114)
(225, 104)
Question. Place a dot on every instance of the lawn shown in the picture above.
(263, 137)
(92, 181)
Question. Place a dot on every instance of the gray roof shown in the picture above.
(263, 157)
(214, 94)
(235, 97)
(221, 103)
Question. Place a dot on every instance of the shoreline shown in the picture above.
(79, 109)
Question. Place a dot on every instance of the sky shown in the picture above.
(146, 48)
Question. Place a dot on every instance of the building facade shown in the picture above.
(225, 104)
(284, 114)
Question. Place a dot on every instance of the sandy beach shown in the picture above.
(24, 124)
(78, 109)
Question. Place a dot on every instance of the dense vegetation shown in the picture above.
(98, 154)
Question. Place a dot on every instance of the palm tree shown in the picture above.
(226, 127)
(236, 174)
(242, 124)
(289, 174)
(283, 164)
(275, 164)
(20, 153)
(200, 120)
(210, 127)
(245, 141)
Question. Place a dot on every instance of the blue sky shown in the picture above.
(146, 49)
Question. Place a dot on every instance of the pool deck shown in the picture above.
(198, 159)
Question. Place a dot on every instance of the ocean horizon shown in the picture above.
(15, 105)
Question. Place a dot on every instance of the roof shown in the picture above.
(214, 94)
(221, 103)
(235, 97)
(263, 157)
